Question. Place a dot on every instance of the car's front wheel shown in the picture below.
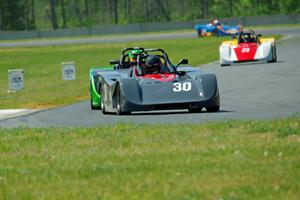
(94, 107)
(195, 110)
(274, 55)
(213, 109)
(102, 102)
(119, 102)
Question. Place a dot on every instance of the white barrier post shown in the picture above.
(68, 71)
(15, 80)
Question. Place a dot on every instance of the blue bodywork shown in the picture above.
(208, 30)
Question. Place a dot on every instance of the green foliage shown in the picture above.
(16, 15)
(31, 14)
(186, 161)
(282, 129)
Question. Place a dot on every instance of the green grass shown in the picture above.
(43, 84)
(225, 160)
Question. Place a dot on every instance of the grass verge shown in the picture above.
(224, 160)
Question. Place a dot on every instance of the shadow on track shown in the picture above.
(175, 112)
(252, 63)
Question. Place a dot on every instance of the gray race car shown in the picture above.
(152, 82)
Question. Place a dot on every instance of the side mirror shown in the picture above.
(183, 62)
(114, 62)
(258, 35)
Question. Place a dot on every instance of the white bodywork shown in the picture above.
(264, 52)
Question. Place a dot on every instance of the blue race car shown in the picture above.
(214, 28)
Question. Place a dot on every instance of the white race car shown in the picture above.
(247, 47)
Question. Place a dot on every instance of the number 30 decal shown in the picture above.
(178, 87)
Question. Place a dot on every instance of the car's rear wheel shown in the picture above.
(224, 65)
(119, 102)
(94, 107)
(213, 109)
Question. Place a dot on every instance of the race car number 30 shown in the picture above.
(178, 87)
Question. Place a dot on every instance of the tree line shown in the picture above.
(58, 14)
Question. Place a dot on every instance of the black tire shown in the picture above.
(274, 55)
(94, 107)
(195, 110)
(103, 108)
(213, 109)
(224, 65)
(119, 102)
(102, 102)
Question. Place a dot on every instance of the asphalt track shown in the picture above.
(247, 91)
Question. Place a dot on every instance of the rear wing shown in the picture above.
(262, 40)
(230, 43)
